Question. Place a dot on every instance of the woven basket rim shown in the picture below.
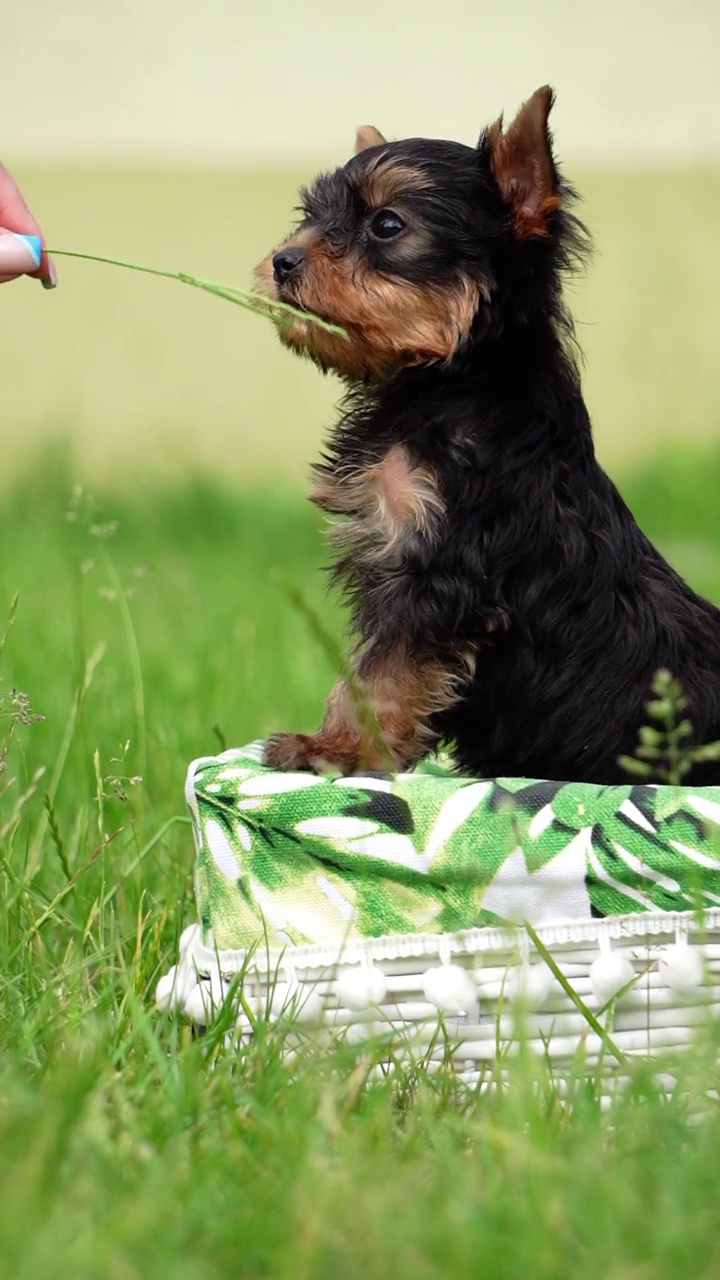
(661, 924)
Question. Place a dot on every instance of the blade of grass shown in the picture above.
(178, 818)
(70, 884)
(135, 661)
(34, 852)
(10, 621)
(580, 1005)
(281, 312)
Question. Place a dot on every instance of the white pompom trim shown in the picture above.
(610, 972)
(360, 986)
(528, 984)
(174, 988)
(165, 995)
(450, 988)
(681, 966)
(198, 1005)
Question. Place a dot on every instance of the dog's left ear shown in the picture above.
(367, 136)
(522, 164)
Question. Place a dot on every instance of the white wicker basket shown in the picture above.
(650, 981)
(495, 910)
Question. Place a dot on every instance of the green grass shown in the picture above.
(128, 1150)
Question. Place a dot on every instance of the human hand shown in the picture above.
(18, 255)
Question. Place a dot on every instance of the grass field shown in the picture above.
(124, 1151)
(153, 623)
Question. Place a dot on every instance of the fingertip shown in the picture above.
(50, 279)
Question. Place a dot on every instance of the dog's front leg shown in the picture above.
(382, 721)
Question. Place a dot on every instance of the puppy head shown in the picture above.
(412, 246)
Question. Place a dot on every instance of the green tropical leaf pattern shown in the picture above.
(292, 859)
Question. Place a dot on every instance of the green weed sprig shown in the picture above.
(664, 752)
(281, 313)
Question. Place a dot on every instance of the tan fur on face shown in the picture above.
(389, 322)
(264, 279)
(387, 502)
(387, 180)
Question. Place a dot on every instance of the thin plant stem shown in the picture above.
(280, 312)
(34, 851)
(135, 662)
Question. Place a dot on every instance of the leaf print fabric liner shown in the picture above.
(295, 859)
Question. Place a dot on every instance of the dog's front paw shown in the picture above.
(320, 752)
(290, 751)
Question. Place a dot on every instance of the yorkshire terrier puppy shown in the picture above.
(502, 597)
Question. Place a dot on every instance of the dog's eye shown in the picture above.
(387, 224)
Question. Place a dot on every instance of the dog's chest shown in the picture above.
(387, 504)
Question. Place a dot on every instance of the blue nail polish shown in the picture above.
(34, 244)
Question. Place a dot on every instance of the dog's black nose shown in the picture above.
(285, 262)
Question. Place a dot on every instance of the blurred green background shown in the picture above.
(178, 138)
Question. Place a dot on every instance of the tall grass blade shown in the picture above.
(279, 312)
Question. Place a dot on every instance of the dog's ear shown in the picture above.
(522, 165)
(367, 136)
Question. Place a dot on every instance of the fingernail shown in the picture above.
(50, 280)
(18, 254)
(34, 244)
